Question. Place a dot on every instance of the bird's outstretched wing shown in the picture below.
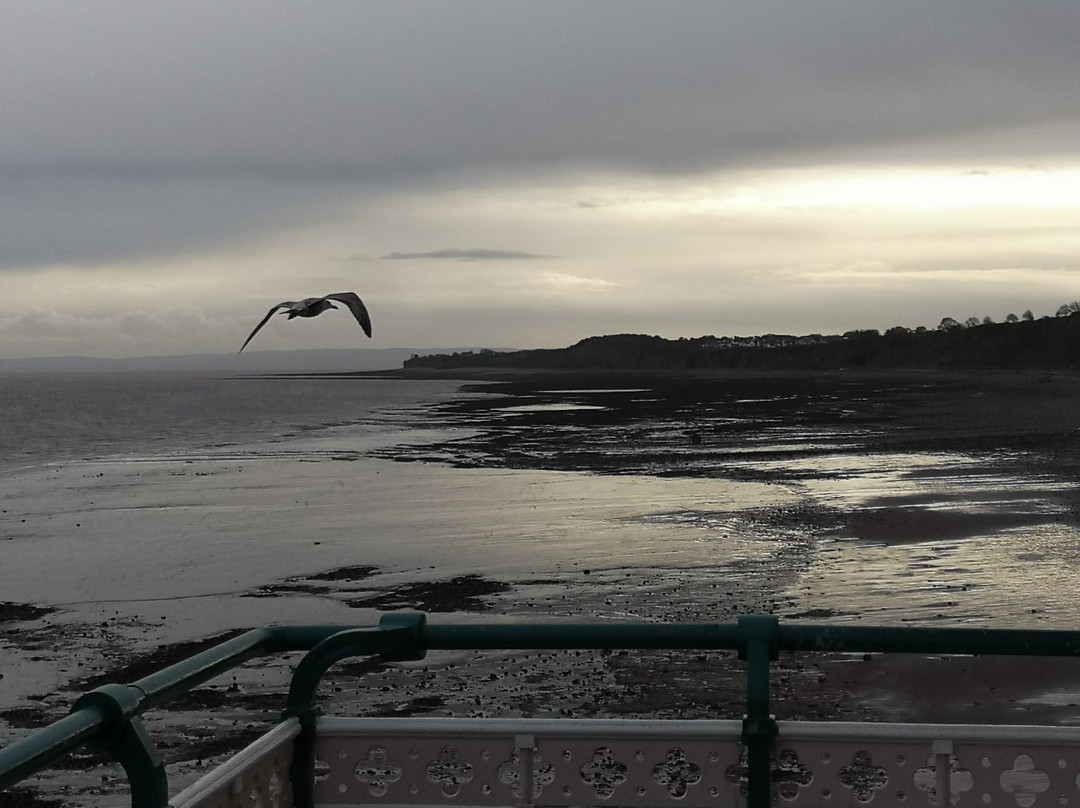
(263, 322)
(356, 306)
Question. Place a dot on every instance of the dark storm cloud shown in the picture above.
(374, 91)
(132, 128)
(468, 255)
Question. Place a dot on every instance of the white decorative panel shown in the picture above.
(559, 763)
(518, 762)
(256, 777)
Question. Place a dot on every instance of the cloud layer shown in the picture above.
(692, 168)
(474, 254)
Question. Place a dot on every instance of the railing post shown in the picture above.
(127, 741)
(943, 751)
(526, 746)
(400, 636)
(758, 646)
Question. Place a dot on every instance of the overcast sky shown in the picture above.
(526, 174)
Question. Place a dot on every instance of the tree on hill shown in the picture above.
(948, 324)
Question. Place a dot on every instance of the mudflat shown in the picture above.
(898, 499)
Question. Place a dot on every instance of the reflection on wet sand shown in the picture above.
(909, 501)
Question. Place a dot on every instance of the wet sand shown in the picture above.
(531, 502)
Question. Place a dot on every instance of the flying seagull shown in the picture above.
(313, 306)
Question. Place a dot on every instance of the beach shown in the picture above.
(897, 499)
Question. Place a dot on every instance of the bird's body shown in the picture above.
(314, 306)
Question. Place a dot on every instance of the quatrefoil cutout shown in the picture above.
(509, 773)
(449, 772)
(676, 772)
(377, 771)
(863, 777)
(603, 772)
(790, 774)
(960, 780)
(1024, 781)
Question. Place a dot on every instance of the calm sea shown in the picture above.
(47, 417)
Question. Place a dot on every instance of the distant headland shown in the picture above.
(1019, 343)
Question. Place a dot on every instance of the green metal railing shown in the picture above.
(108, 717)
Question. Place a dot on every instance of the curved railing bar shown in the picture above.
(108, 716)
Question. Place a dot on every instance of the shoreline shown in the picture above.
(540, 472)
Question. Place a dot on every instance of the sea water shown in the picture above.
(49, 417)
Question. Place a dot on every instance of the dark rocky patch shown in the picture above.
(26, 797)
(418, 705)
(18, 612)
(462, 594)
(358, 573)
(154, 661)
(27, 717)
(277, 590)
(359, 668)
(82, 759)
(215, 745)
(233, 698)
(301, 585)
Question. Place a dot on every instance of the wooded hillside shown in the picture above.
(1048, 343)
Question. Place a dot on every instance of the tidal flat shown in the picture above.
(874, 499)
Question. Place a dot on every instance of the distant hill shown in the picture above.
(1050, 343)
